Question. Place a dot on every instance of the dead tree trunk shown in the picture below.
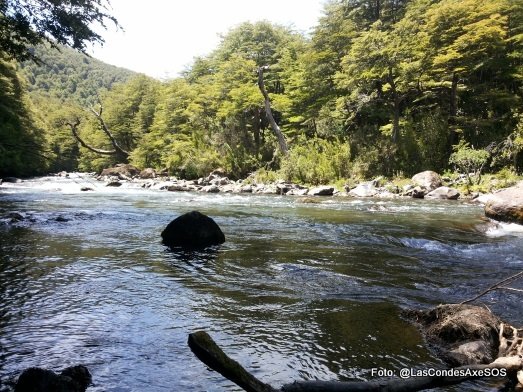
(275, 128)
(207, 351)
(117, 149)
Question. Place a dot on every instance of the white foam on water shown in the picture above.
(425, 244)
(503, 229)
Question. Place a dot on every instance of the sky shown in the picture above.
(161, 37)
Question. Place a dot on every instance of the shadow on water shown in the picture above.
(191, 260)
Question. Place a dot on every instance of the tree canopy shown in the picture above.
(25, 24)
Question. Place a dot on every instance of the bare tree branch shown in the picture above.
(74, 129)
(498, 286)
(275, 128)
(207, 351)
(115, 144)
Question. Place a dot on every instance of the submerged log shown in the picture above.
(207, 351)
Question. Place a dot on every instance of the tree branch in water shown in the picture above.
(498, 286)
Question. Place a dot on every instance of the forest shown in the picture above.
(378, 87)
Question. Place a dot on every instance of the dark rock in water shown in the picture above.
(114, 183)
(507, 205)
(192, 230)
(211, 189)
(322, 191)
(15, 217)
(178, 188)
(309, 200)
(86, 189)
(11, 179)
(72, 379)
(461, 334)
(418, 192)
(60, 218)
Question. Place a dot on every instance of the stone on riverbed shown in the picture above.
(364, 190)
(461, 334)
(147, 173)
(428, 179)
(121, 170)
(73, 379)
(192, 230)
(13, 180)
(506, 205)
(443, 192)
(322, 191)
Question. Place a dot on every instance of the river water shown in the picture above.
(298, 291)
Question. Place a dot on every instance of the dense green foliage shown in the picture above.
(22, 140)
(380, 87)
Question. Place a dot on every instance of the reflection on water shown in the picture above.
(296, 292)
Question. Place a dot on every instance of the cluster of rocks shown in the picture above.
(427, 184)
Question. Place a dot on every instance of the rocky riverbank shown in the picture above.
(427, 184)
(505, 205)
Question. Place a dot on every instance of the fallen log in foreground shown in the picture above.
(207, 351)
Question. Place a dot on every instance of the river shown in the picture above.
(298, 291)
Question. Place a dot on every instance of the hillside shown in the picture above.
(68, 75)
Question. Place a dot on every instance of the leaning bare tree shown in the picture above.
(275, 128)
(117, 150)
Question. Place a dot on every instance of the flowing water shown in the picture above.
(298, 291)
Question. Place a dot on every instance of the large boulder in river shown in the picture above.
(147, 173)
(364, 190)
(428, 179)
(121, 170)
(192, 230)
(322, 191)
(443, 192)
(506, 205)
(73, 379)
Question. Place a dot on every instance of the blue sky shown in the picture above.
(162, 37)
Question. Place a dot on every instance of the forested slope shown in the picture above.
(36, 98)
(70, 76)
